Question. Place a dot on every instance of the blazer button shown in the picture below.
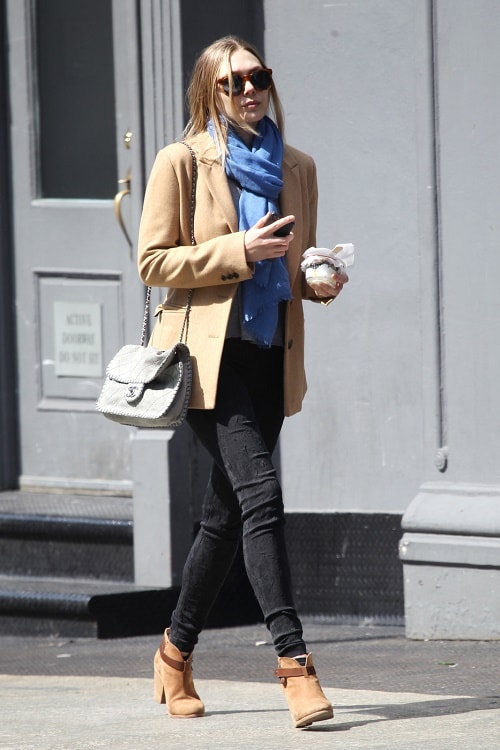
(236, 275)
(223, 278)
(290, 343)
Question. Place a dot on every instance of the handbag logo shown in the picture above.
(133, 392)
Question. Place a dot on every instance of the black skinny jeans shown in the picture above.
(243, 501)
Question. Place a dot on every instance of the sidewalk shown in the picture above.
(388, 693)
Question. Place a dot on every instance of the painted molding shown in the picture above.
(455, 508)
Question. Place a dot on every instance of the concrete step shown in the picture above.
(67, 569)
(56, 535)
(72, 607)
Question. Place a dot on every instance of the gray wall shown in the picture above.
(355, 81)
(401, 121)
(451, 545)
(470, 205)
(398, 102)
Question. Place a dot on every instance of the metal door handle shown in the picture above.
(118, 206)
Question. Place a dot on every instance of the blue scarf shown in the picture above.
(258, 171)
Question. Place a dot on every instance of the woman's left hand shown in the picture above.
(325, 290)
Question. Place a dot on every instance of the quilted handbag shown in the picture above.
(145, 386)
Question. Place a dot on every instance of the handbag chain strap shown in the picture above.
(145, 320)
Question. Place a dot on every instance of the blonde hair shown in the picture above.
(203, 96)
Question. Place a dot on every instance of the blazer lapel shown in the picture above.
(214, 176)
(290, 204)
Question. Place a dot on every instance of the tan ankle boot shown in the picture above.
(306, 700)
(174, 682)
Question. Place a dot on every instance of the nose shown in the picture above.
(247, 88)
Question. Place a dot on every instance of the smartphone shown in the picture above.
(282, 231)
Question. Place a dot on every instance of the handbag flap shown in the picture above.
(141, 364)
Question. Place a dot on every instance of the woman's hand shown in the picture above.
(325, 290)
(262, 244)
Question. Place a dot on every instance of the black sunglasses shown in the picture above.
(261, 80)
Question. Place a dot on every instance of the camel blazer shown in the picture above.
(214, 266)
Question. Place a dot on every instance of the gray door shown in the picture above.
(76, 143)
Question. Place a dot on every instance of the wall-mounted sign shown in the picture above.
(78, 339)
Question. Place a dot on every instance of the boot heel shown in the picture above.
(159, 689)
(173, 682)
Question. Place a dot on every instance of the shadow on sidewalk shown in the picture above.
(400, 711)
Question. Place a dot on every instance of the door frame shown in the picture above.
(70, 279)
(9, 429)
(158, 113)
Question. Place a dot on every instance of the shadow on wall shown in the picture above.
(202, 23)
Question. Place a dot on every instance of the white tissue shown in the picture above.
(342, 256)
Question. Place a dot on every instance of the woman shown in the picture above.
(246, 338)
